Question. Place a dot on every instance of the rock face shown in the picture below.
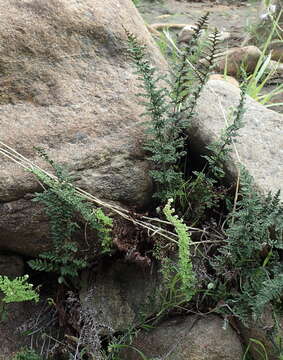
(276, 49)
(11, 266)
(122, 294)
(227, 78)
(190, 338)
(68, 85)
(259, 146)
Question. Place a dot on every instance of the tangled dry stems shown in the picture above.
(142, 221)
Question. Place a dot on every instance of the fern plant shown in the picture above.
(205, 190)
(62, 203)
(27, 354)
(250, 263)
(16, 290)
(185, 267)
(170, 107)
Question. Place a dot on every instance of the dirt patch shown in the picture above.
(236, 18)
(233, 18)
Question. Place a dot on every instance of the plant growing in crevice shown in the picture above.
(205, 190)
(16, 290)
(249, 262)
(170, 107)
(62, 204)
(184, 267)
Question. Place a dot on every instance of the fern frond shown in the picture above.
(271, 290)
(185, 269)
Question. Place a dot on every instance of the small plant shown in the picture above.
(264, 71)
(16, 290)
(185, 268)
(171, 108)
(204, 190)
(62, 204)
(250, 263)
(27, 354)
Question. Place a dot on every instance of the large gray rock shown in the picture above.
(68, 85)
(122, 295)
(191, 338)
(260, 143)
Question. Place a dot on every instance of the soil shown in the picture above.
(234, 17)
(231, 17)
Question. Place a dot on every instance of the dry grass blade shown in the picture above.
(142, 221)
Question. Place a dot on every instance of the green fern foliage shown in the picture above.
(250, 260)
(17, 290)
(185, 267)
(204, 191)
(170, 103)
(219, 151)
(62, 204)
(27, 354)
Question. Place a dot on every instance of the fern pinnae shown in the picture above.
(201, 24)
(185, 268)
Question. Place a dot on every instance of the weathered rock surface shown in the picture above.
(11, 266)
(231, 60)
(266, 332)
(122, 294)
(260, 143)
(227, 78)
(68, 85)
(190, 338)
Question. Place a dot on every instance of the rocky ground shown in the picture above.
(236, 18)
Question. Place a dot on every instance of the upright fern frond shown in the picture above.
(164, 146)
(200, 26)
(251, 255)
(185, 267)
(62, 204)
(220, 149)
(170, 108)
(155, 97)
